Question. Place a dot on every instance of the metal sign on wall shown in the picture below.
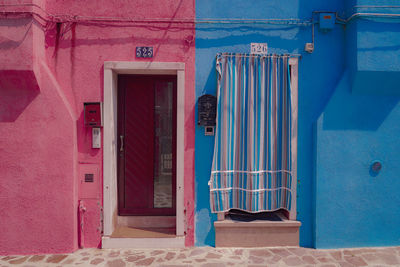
(144, 51)
(207, 107)
(259, 48)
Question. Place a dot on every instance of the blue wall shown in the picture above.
(318, 75)
(355, 206)
(349, 115)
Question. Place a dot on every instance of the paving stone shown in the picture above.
(298, 251)
(36, 258)
(337, 255)
(275, 259)
(352, 252)
(345, 264)
(260, 252)
(369, 257)
(389, 259)
(238, 251)
(181, 256)
(96, 261)
(323, 259)
(196, 252)
(292, 261)
(211, 255)
(207, 256)
(7, 258)
(355, 260)
(318, 253)
(114, 254)
(370, 250)
(213, 265)
(281, 252)
(56, 258)
(135, 258)
(19, 260)
(255, 259)
(145, 262)
(116, 263)
(309, 259)
(160, 260)
(170, 255)
(69, 260)
(156, 252)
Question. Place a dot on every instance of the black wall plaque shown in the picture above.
(89, 178)
(207, 110)
(144, 51)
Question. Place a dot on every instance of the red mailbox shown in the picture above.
(93, 112)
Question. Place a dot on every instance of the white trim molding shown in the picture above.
(294, 78)
(110, 192)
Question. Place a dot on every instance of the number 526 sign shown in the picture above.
(144, 51)
(259, 48)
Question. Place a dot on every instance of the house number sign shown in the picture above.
(144, 51)
(259, 48)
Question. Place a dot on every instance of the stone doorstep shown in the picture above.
(258, 233)
(145, 221)
(117, 243)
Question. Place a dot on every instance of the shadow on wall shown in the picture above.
(349, 111)
(13, 39)
(241, 35)
(18, 88)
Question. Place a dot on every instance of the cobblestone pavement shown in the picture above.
(213, 257)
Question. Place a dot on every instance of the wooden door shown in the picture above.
(147, 145)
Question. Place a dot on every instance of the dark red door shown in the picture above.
(146, 132)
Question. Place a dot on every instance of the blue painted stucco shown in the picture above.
(340, 130)
(360, 125)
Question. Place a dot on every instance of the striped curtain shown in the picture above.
(251, 168)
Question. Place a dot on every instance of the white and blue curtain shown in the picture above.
(251, 168)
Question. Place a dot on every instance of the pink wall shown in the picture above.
(42, 137)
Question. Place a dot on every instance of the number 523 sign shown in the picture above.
(144, 51)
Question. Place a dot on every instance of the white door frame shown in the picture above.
(110, 166)
(294, 78)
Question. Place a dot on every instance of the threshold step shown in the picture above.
(256, 233)
(136, 232)
(149, 242)
(130, 237)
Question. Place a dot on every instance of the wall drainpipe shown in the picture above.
(82, 210)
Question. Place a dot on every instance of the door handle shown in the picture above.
(122, 143)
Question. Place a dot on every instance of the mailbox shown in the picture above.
(207, 107)
(93, 112)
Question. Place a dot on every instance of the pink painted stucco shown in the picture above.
(47, 72)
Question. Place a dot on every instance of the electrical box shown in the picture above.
(207, 107)
(327, 21)
(93, 114)
(89, 179)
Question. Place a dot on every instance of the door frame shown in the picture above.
(110, 142)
